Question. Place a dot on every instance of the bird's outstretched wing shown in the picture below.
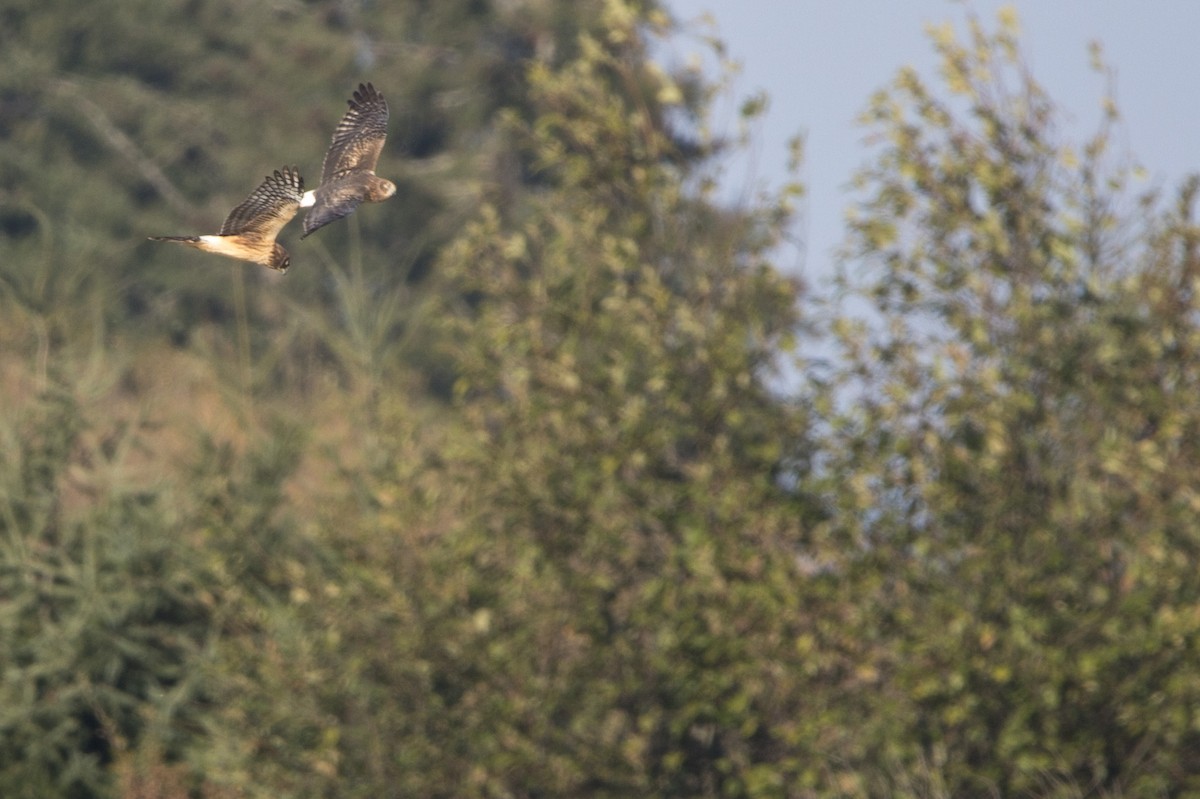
(250, 229)
(268, 208)
(358, 138)
(348, 176)
(334, 200)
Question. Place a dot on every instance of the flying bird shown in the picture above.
(348, 176)
(249, 232)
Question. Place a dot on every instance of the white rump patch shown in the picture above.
(309, 199)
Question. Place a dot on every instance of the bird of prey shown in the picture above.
(348, 176)
(249, 232)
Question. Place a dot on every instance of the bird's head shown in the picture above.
(380, 189)
(280, 260)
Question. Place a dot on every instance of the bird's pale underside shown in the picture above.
(250, 230)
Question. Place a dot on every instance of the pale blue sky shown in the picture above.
(819, 61)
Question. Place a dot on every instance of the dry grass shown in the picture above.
(145, 408)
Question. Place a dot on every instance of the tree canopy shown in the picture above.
(524, 483)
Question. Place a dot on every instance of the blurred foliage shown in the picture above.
(515, 485)
(120, 119)
(1022, 447)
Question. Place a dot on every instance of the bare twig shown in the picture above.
(125, 147)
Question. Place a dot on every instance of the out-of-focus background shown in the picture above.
(823, 428)
(818, 62)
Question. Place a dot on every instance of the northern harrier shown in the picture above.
(249, 232)
(348, 176)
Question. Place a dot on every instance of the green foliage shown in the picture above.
(100, 616)
(115, 584)
(586, 584)
(504, 495)
(1009, 463)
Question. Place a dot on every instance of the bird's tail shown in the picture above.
(180, 239)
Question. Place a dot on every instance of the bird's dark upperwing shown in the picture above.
(268, 208)
(334, 200)
(358, 138)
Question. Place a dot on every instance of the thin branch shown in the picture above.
(125, 147)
